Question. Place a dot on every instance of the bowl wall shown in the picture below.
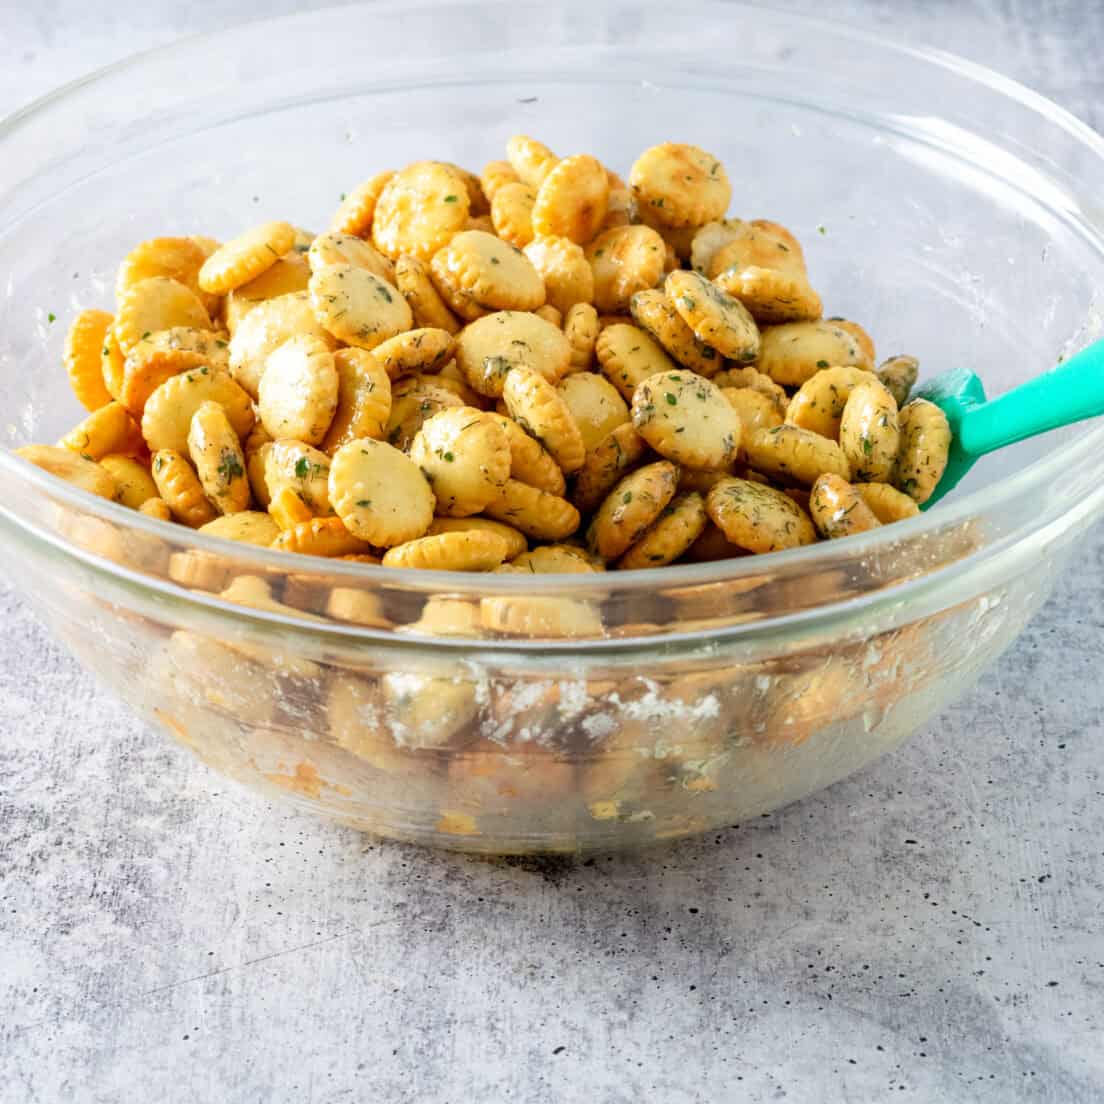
(515, 751)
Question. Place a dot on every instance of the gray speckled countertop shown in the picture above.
(927, 931)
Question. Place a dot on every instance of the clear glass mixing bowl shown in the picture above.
(953, 212)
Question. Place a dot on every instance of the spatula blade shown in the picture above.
(954, 392)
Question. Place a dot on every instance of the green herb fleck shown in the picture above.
(451, 198)
(496, 366)
(671, 399)
(822, 364)
(230, 467)
(51, 317)
(302, 467)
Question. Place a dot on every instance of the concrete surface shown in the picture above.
(927, 931)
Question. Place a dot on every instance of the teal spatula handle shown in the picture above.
(1072, 392)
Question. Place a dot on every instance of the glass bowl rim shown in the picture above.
(1017, 485)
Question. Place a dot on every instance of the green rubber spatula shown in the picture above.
(1072, 392)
